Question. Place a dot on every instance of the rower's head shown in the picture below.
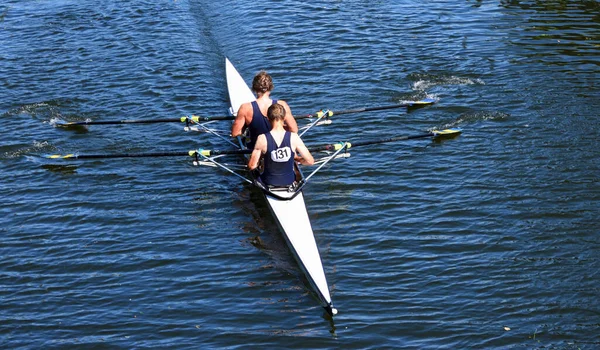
(275, 113)
(262, 82)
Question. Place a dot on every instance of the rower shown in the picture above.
(253, 115)
(281, 148)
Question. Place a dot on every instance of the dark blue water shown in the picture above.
(488, 240)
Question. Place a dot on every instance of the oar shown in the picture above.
(197, 119)
(424, 102)
(210, 153)
(184, 119)
(192, 153)
(339, 145)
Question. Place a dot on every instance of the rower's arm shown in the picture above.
(259, 148)
(290, 121)
(240, 120)
(305, 157)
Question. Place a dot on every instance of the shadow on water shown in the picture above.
(61, 169)
(262, 229)
(78, 129)
(3, 14)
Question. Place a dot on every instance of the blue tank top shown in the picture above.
(279, 162)
(259, 125)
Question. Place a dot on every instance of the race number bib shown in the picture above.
(281, 155)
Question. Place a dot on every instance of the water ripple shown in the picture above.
(486, 240)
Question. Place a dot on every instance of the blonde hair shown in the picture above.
(276, 112)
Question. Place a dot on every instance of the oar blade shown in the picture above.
(447, 132)
(69, 124)
(60, 156)
(412, 105)
(79, 127)
(425, 101)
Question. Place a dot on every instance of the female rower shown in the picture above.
(281, 148)
(252, 115)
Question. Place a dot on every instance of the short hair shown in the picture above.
(276, 112)
(262, 82)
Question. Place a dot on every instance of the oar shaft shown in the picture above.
(119, 155)
(229, 151)
(370, 109)
(125, 121)
(337, 146)
(192, 153)
(392, 139)
(329, 147)
(424, 102)
(193, 118)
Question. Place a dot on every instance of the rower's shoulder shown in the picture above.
(294, 135)
(261, 142)
(282, 102)
(245, 107)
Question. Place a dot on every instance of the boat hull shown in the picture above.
(290, 213)
(294, 223)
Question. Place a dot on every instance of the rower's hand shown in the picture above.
(255, 173)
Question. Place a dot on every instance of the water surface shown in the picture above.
(487, 240)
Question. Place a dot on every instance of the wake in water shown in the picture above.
(418, 97)
(425, 81)
(29, 153)
(472, 118)
(27, 121)
(47, 112)
(17, 151)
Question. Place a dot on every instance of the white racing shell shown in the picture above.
(291, 215)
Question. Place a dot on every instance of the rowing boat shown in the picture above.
(286, 204)
(288, 207)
